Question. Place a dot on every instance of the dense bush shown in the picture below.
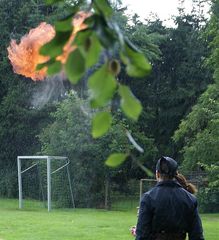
(209, 194)
(208, 200)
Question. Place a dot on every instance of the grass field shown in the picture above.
(34, 223)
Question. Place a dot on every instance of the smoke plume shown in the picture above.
(50, 90)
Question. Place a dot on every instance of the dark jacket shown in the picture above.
(169, 208)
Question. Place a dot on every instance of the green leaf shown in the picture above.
(82, 36)
(93, 53)
(52, 65)
(116, 159)
(41, 66)
(89, 45)
(65, 24)
(102, 85)
(75, 66)
(137, 64)
(92, 49)
(103, 7)
(54, 48)
(130, 105)
(101, 124)
(49, 2)
(106, 36)
(90, 21)
(54, 68)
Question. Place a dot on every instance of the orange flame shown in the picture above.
(78, 23)
(25, 56)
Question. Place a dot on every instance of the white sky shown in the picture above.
(163, 8)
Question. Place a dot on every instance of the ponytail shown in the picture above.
(186, 185)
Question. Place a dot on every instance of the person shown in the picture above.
(169, 210)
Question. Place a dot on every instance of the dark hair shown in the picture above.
(185, 184)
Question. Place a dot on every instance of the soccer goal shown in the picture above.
(35, 161)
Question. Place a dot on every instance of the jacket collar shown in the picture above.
(168, 183)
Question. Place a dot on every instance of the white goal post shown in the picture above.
(49, 173)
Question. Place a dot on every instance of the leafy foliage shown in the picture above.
(177, 80)
(18, 129)
(102, 90)
(101, 124)
(101, 32)
(159, 102)
(129, 104)
(115, 159)
(197, 136)
(69, 135)
(19, 121)
(198, 132)
(208, 196)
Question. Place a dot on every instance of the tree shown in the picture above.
(20, 121)
(163, 98)
(197, 133)
(20, 124)
(177, 80)
(69, 135)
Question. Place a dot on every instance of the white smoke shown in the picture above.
(50, 90)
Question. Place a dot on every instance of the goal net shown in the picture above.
(46, 179)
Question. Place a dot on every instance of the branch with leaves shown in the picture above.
(101, 34)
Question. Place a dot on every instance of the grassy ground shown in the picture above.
(34, 223)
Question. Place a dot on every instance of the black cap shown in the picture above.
(167, 166)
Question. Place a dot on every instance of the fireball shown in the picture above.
(25, 56)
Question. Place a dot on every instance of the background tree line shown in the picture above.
(179, 98)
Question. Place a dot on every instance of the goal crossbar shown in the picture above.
(48, 160)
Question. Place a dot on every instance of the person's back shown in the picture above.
(168, 212)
